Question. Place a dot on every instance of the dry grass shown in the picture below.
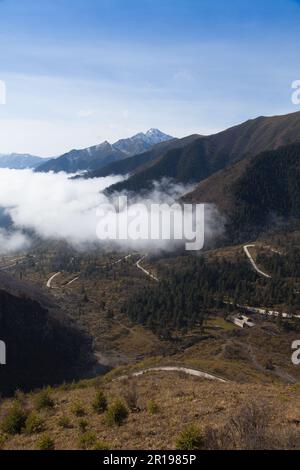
(181, 401)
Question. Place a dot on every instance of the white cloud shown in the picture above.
(57, 207)
(11, 242)
(52, 204)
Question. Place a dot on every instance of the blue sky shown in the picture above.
(78, 72)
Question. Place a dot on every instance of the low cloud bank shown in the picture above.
(10, 242)
(56, 207)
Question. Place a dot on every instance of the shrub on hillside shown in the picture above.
(101, 445)
(87, 440)
(15, 419)
(78, 409)
(46, 443)
(64, 422)
(190, 439)
(34, 424)
(100, 402)
(117, 413)
(44, 400)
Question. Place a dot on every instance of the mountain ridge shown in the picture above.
(98, 156)
(255, 193)
(204, 156)
(20, 161)
(140, 161)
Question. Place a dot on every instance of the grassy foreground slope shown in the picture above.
(164, 411)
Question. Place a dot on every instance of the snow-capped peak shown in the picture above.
(154, 132)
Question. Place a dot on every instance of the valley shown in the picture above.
(203, 333)
(96, 290)
(149, 231)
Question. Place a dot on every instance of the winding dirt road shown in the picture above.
(122, 259)
(51, 279)
(185, 370)
(49, 282)
(71, 282)
(138, 265)
(248, 254)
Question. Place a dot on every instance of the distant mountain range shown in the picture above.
(196, 159)
(20, 161)
(95, 158)
(250, 171)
